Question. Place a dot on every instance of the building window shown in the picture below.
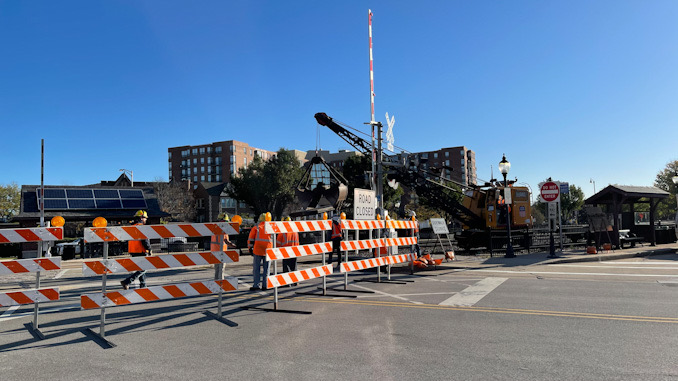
(195, 170)
(424, 155)
(209, 160)
(202, 178)
(217, 149)
(435, 155)
(209, 149)
(195, 161)
(170, 155)
(447, 162)
(202, 150)
(195, 179)
(200, 203)
(250, 152)
(202, 169)
(217, 160)
(202, 160)
(195, 151)
(447, 153)
(244, 150)
(232, 148)
(218, 178)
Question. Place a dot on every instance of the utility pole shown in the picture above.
(377, 169)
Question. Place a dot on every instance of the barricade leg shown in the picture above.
(219, 276)
(324, 287)
(101, 336)
(34, 329)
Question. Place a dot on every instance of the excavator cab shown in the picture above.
(321, 186)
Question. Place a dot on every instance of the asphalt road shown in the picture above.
(593, 320)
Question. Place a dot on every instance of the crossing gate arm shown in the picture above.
(157, 262)
(29, 296)
(276, 253)
(139, 232)
(298, 276)
(149, 294)
(31, 235)
(30, 265)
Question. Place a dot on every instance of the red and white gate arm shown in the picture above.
(139, 232)
(363, 244)
(296, 226)
(400, 258)
(31, 235)
(403, 241)
(30, 265)
(362, 224)
(28, 296)
(273, 254)
(298, 276)
(363, 264)
(406, 224)
(149, 294)
(157, 262)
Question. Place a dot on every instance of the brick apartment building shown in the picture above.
(214, 162)
(461, 159)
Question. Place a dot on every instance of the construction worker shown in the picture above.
(138, 249)
(416, 235)
(286, 240)
(336, 237)
(262, 241)
(224, 245)
(215, 245)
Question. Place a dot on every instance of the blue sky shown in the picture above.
(574, 90)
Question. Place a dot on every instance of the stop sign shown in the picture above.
(550, 191)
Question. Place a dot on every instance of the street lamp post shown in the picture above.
(504, 167)
(131, 174)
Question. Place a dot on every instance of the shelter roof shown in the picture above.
(626, 194)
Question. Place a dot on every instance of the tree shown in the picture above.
(571, 202)
(10, 198)
(664, 180)
(267, 186)
(176, 199)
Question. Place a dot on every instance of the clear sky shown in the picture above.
(574, 90)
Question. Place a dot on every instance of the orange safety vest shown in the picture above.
(262, 240)
(135, 247)
(250, 238)
(287, 239)
(336, 230)
(215, 245)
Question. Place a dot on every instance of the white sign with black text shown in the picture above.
(364, 204)
(439, 226)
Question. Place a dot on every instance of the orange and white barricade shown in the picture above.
(44, 235)
(278, 253)
(107, 266)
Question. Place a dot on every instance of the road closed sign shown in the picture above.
(550, 191)
(364, 204)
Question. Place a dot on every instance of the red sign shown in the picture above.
(550, 191)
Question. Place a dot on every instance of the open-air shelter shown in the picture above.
(615, 196)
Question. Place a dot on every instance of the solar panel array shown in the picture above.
(92, 198)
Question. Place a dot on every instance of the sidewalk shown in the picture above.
(567, 256)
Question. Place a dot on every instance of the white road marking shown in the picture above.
(566, 273)
(60, 274)
(42, 311)
(9, 311)
(402, 295)
(472, 294)
(674, 267)
(385, 294)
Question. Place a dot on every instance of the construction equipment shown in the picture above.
(321, 186)
(481, 208)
